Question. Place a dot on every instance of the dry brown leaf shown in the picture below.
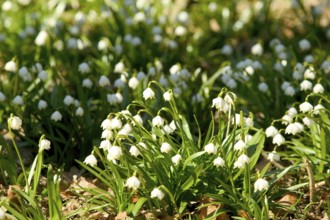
(288, 200)
(121, 216)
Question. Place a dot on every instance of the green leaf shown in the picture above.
(138, 205)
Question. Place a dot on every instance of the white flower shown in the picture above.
(107, 134)
(304, 45)
(120, 83)
(41, 38)
(133, 82)
(15, 122)
(219, 162)
(158, 121)
(273, 156)
(230, 98)
(240, 145)
(318, 108)
(318, 88)
(260, 185)
(148, 94)
(91, 160)
(257, 49)
(56, 116)
(168, 129)
(11, 66)
(286, 119)
(137, 119)
(84, 68)
(278, 139)
(43, 75)
(220, 104)
(18, 100)
(308, 121)
(134, 151)
(309, 73)
(292, 112)
(263, 87)
(105, 145)
(305, 107)
(106, 124)
(167, 96)
(210, 148)
(2, 97)
(115, 124)
(114, 153)
(271, 131)
(79, 111)
(126, 130)
(157, 193)
(294, 128)
(306, 85)
(87, 83)
(42, 104)
(248, 122)
(290, 91)
(141, 75)
(165, 147)
(285, 85)
(241, 161)
(44, 144)
(133, 183)
(176, 159)
(104, 81)
(227, 50)
(68, 100)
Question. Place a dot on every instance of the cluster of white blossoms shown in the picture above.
(224, 104)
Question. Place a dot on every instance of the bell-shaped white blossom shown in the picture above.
(294, 128)
(219, 162)
(158, 121)
(104, 81)
(84, 68)
(114, 153)
(15, 122)
(87, 83)
(148, 94)
(157, 193)
(165, 147)
(91, 160)
(273, 156)
(11, 66)
(305, 107)
(241, 161)
(210, 148)
(176, 159)
(167, 96)
(278, 139)
(260, 185)
(308, 121)
(56, 116)
(68, 100)
(133, 183)
(18, 100)
(271, 131)
(318, 88)
(79, 111)
(44, 144)
(134, 151)
(220, 104)
(306, 85)
(240, 145)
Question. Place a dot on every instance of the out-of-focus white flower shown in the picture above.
(241, 161)
(119, 67)
(220, 104)
(68, 100)
(240, 145)
(260, 185)
(210, 148)
(290, 91)
(167, 96)
(133, 183)
(278, 139)
(15, 122)
(43, 75)
(44, 144)
(180, 31)
(165, 147)
(41, 38)
(42, 104)
(87, 83)
(248, 122)
(304, 45)
(158, 121)
(141, 75)
(183, 17)
(318, 88)
(176, 159)
(271, 131)
(18, 100)
(273, 156)
(104, 81)
(309, 73)
(79, 111)
(134, 151)
(212, 6)
(292, 112)
(309, 58)
(2, 97)
(219, 162)
(263, 87)
(294, 128)
(148, 94)
(137, 119)
(56, 116)
(306, 85)
(133, 82)
(257, 49)
(286, 119)
(84, 68)
(11, 66)
(305, 107)
(120, 83)
(227, 50)
(114, 153)
(157, 193)
(91, 160)
(308, 121)
(318, 108)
